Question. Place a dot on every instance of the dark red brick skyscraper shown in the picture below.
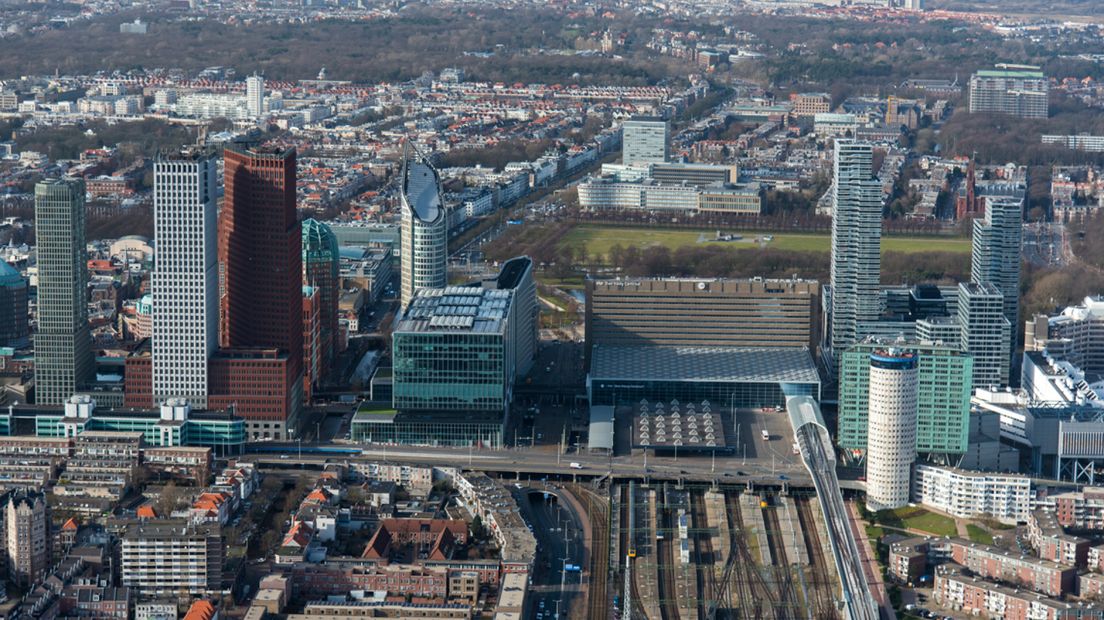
(260, 252)
(260, 369)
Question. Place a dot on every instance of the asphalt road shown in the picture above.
(1045, 244)
(558, 533)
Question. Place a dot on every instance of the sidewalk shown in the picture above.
(870, 563)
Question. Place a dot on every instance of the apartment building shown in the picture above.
(968, 494)
(810, 104)
(184, 463)
(1018, 90)
(26, 519)
(987, 562)
(172, 557)
(1052, 543)
(959, 591)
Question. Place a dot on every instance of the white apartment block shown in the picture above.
(254, 95)
(211, 105)
(171, 558)
(645, 140)
(1076, 334)
(1077, 142)
(185, 278)
(985, 332)
(968, 495)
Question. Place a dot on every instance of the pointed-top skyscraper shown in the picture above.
(424, 228)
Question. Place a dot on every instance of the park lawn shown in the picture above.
(599, 239)
(568, 283)
(979, 534)
(874, 533)
(915, 518)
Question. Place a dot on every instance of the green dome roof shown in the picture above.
(318, 239)
(10, 276)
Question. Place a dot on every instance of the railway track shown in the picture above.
(703, 554)
(822, 601)
(745, 594)
(780, 565)
(627, 545)
(665, 556)
(598, 595)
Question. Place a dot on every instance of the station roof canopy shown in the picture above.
(601, 428)
(703, 364)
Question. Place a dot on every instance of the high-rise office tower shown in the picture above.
(63, 343)
(261, 289)
(945, 378)
(996, 250)
(320, 271)
(14, 328)
(645, 140)
(891, 438)
(985, 333)
(254, 95)
(185, 276)
(856, 242)
(424, 228)
(26, 519)
(260, 250)
(1019, 90)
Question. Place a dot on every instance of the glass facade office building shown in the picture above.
(728, 376)
(945, 383)
(222, 432)
(383, 425)
(450, 372)
(456, 352)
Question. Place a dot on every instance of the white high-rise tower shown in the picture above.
(254, 95)
(424, 227)
(856, 243)
(891, 431)
(185, 276)
(996, 250)
(645, 140)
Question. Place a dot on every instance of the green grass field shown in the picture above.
(979, 534)
(917, 519)
(599, 239)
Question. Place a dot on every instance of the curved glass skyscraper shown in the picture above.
(424, 228)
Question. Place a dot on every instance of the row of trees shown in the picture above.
(136, 140)
(496, 156)
(420, 39)
(719, 261)
(1000, 138)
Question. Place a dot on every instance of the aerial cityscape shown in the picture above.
(527, 310)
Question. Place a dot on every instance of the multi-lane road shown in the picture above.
(770, 464)
(1046, 244)
(559, 535)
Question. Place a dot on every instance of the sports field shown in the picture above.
(599, 239)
